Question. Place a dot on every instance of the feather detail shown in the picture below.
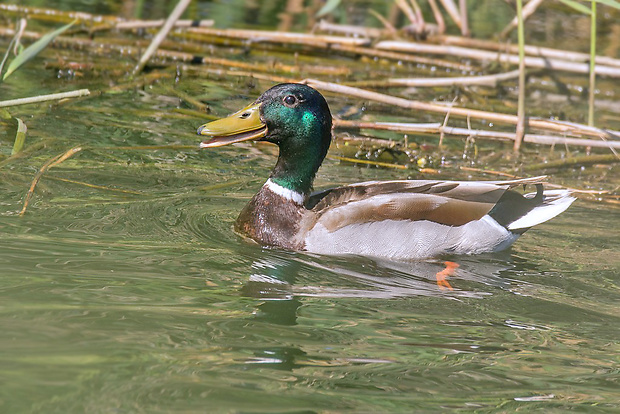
(445, 202)
(554, 202)
(420, 219)
(410, 240)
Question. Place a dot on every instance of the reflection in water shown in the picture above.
(281, 312)
(274, 280)
(273, 276)
(281, 358)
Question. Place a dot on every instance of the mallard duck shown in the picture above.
(399, 220)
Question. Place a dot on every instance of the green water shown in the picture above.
(137, 297)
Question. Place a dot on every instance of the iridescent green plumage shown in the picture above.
(299, 122)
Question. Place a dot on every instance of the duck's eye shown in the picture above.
(290, 100)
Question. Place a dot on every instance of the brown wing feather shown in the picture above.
(451, 203)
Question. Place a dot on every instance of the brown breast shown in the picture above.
(272, 220)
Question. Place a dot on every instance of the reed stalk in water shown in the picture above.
(161, 35)
(520, 129)
(54, 161)
(592, 64)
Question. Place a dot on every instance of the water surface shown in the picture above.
(124, 289)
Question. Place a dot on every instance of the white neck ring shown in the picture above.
(294, 196)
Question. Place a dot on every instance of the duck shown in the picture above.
(394, 220)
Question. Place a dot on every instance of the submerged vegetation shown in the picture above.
(408, 92)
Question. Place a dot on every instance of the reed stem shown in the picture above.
(44, 98)
(161, 35)
(592, 65)
(520, 128)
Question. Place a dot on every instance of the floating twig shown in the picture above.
(402, 57)
(550, 185)
(529, 50)
(147, 24)
(438, 128)
(574, 161)
(484, 80)
(484, 55)
(43, 98)
(428, 128)
(280, 37)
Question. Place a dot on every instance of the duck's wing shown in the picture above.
(450, 203)
(419, 219)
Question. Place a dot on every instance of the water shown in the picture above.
(149, 303)
(102, 312)
(136, 295)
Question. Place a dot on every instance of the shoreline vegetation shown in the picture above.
(329, 58)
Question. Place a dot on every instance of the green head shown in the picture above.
(293, 116)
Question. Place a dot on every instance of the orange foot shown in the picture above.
(448, 271)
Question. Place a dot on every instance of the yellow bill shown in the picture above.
(244, 125)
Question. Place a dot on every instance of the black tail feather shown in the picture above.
(512, 206)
